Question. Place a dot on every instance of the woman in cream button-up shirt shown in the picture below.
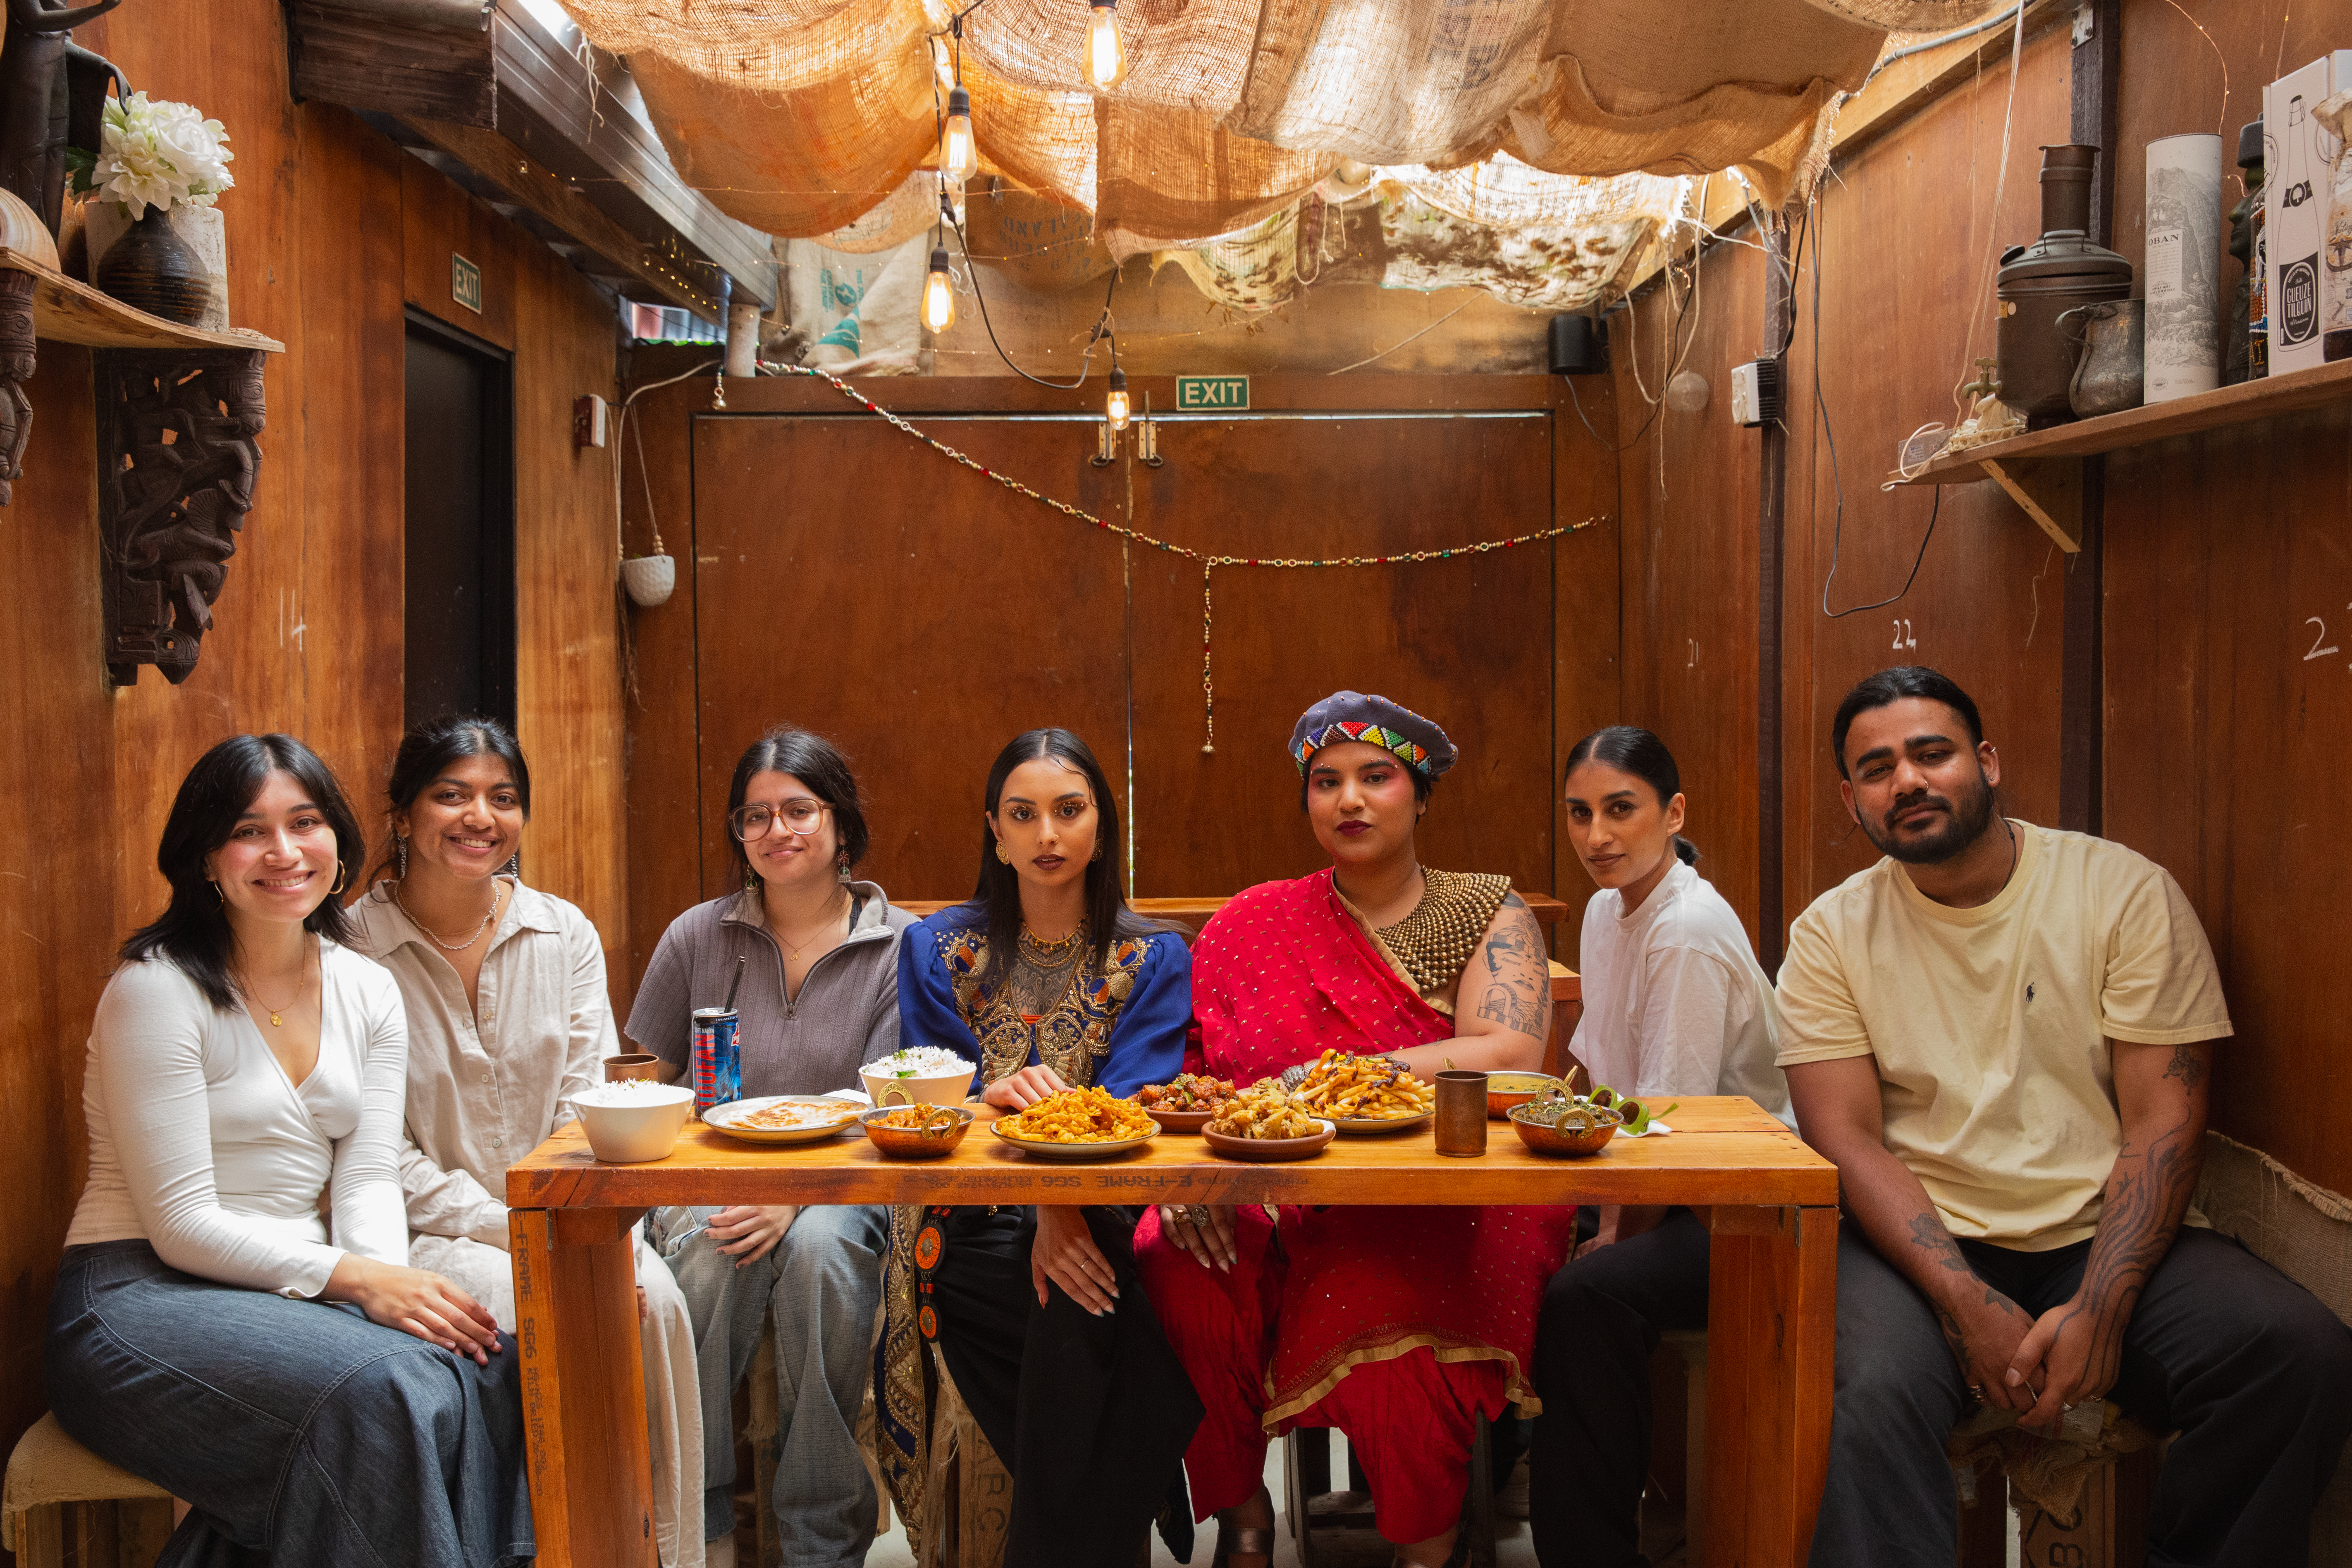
(507, 1018)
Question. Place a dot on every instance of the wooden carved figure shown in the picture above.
(178, 441)
(35, 102)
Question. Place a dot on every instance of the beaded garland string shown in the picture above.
(1208, 562)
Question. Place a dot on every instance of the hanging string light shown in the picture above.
(939, 293)
(1115, 405)
(1106, 63)
(959, 155)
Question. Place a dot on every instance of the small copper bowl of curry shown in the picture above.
(1558, 1126)
(1507, 1088)
(917, 1131)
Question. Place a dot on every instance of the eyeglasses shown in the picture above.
(801, 817)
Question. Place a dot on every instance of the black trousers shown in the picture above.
(2249, 1369)
(1091, 1414)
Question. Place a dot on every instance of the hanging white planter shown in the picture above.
(650, 579)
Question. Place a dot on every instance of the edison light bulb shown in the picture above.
(939, 293)
(1105, 59)
(959, 159)
(1115, 407)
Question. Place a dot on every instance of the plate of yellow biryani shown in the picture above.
(1077, 1124)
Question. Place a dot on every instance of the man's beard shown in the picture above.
(1964, 822)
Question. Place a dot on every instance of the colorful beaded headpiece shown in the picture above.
(1344, 716)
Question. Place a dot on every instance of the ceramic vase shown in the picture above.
(151, 268)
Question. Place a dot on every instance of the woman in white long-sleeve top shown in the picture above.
(236, 1319)
(507, 1018)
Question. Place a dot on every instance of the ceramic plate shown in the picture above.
(1179, 1121)
(1264, 1150)
(727, 1118)
(1044, 1150)
(1357, 1124)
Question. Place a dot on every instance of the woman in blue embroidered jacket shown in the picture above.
(1046, 981)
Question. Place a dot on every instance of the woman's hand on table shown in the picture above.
(415, 1302)
(1020, 1091)
(1205, 1230)
(1066, 1253)
(749, 1232)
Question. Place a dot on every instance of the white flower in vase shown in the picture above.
(159, 154)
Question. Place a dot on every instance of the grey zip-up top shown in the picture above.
(846, 1015)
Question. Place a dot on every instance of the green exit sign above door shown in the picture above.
(1218, 392)
(465, 283)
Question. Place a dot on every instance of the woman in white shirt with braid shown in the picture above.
(507, 1018)
(236, 1320)
(1674, 1005)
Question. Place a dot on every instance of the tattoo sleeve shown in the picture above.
(1517, 992)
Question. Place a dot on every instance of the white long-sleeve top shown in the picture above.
(1674, 1002)
(489, 1082)
(201, 1146)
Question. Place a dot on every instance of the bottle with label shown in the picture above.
(2297, 309)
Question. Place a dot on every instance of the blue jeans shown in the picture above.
(823, 1285)
(299, 1433)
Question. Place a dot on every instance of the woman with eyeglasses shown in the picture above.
(818, 953)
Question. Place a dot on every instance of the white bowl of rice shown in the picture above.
(634, 1121)
(919, 1075)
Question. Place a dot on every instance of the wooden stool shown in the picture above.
(59, 1493)
(1314, 1508)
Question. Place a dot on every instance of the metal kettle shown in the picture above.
(2042, 280)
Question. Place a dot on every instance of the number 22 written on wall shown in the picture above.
(1904, 636)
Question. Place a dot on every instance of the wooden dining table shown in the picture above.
(1770, 1203)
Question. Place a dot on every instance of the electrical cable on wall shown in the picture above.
(1633, 349)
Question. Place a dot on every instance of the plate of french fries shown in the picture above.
(1365, 1094)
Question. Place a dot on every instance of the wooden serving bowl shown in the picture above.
(1506, 1090)
(917, 1143)
(1264, 1150)
(1543, 1139)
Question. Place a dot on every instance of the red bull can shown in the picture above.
(718, 1058)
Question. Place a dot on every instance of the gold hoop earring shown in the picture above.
(1001, 854)
(1097, 855)
(342, 871)
(218, 894)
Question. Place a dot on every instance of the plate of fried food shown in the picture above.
(1365, 1094)
(1077, 1124)
(1265, 1121)
(782, 1118)
(1186, 1102)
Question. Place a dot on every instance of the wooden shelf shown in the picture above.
(69, 312)
(2033, 468)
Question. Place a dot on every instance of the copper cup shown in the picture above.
(617, 1069)
(1461, 1112)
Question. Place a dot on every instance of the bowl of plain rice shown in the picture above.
(919, 1075)
(631, 1122)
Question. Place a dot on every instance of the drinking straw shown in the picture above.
(736, 982)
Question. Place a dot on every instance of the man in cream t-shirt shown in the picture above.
(2002, 1034)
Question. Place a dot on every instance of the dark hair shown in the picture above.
(193, 931)
(816, 762)
(997, 896)
(429, 749)
(1891, 686)
(1632, 749)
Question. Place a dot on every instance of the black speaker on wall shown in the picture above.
(1579, 346)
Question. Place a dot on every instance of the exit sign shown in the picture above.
(465, 283)
(1221, 392)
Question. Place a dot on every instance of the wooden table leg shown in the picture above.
(583, 1387)
(1772, 1345)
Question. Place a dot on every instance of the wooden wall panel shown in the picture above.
(1688, 571)
(439, 220)
(2226, 566)
(1462, 641)
(567, 608)
(307, 637)
(912, 612)
(1898, 251)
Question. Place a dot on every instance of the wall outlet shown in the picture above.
(588, 421)
(1756, 392)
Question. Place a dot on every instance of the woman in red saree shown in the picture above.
(1399, 1326)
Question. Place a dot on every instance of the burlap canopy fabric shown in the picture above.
(800, 116)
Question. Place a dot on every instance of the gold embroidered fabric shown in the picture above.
(1071, 1036)
(1445, 928)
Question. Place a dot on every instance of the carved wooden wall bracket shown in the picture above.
(178, 454)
